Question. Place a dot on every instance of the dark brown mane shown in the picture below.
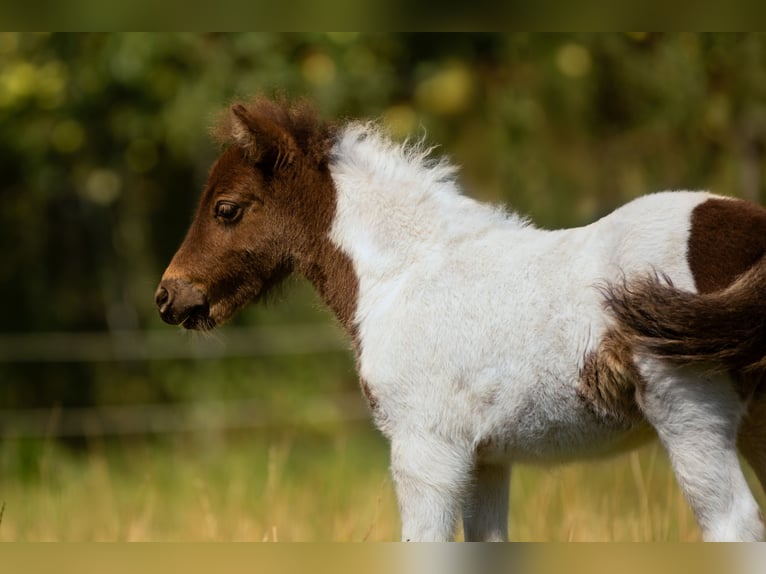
(299, 118)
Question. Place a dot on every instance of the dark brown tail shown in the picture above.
(723, 331)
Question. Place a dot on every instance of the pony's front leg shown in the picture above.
(430, 477)
(485, 515)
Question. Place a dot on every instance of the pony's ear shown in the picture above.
(264, 140)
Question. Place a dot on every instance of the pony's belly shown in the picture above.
(562, 442)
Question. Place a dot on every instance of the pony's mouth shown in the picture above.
(196, 308)
(223, 305)
(199, 321)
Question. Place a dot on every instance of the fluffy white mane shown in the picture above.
(405, 179)
(365, 146)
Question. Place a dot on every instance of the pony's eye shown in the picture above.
(227, 210)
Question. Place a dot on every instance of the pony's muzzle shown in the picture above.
(181, 303)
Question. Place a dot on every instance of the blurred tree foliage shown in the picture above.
(104, 147)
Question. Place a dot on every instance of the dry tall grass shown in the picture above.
(300, 486)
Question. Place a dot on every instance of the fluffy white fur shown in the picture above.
(473, 325)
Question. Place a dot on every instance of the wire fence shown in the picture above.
(136, 345)
(203, 417)
(144, 419)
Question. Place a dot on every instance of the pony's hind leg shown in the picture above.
(485, 513)
(752, 436)
(697, 418)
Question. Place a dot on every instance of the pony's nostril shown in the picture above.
(181, 303)
(161, 297)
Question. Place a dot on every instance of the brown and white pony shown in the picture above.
(482, 340)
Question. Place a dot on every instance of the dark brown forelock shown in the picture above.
(299, 118)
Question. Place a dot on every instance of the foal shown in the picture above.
(481, 340)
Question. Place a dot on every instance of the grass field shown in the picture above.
(303, 486)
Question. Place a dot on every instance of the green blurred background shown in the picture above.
(104, 150)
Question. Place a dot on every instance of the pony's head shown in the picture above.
(267, 201)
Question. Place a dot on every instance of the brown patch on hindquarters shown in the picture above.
(609, 381)
(720, 328)
(727, 237)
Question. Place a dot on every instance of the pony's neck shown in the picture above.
(332, 274)
(394, 206)
(392, 209)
